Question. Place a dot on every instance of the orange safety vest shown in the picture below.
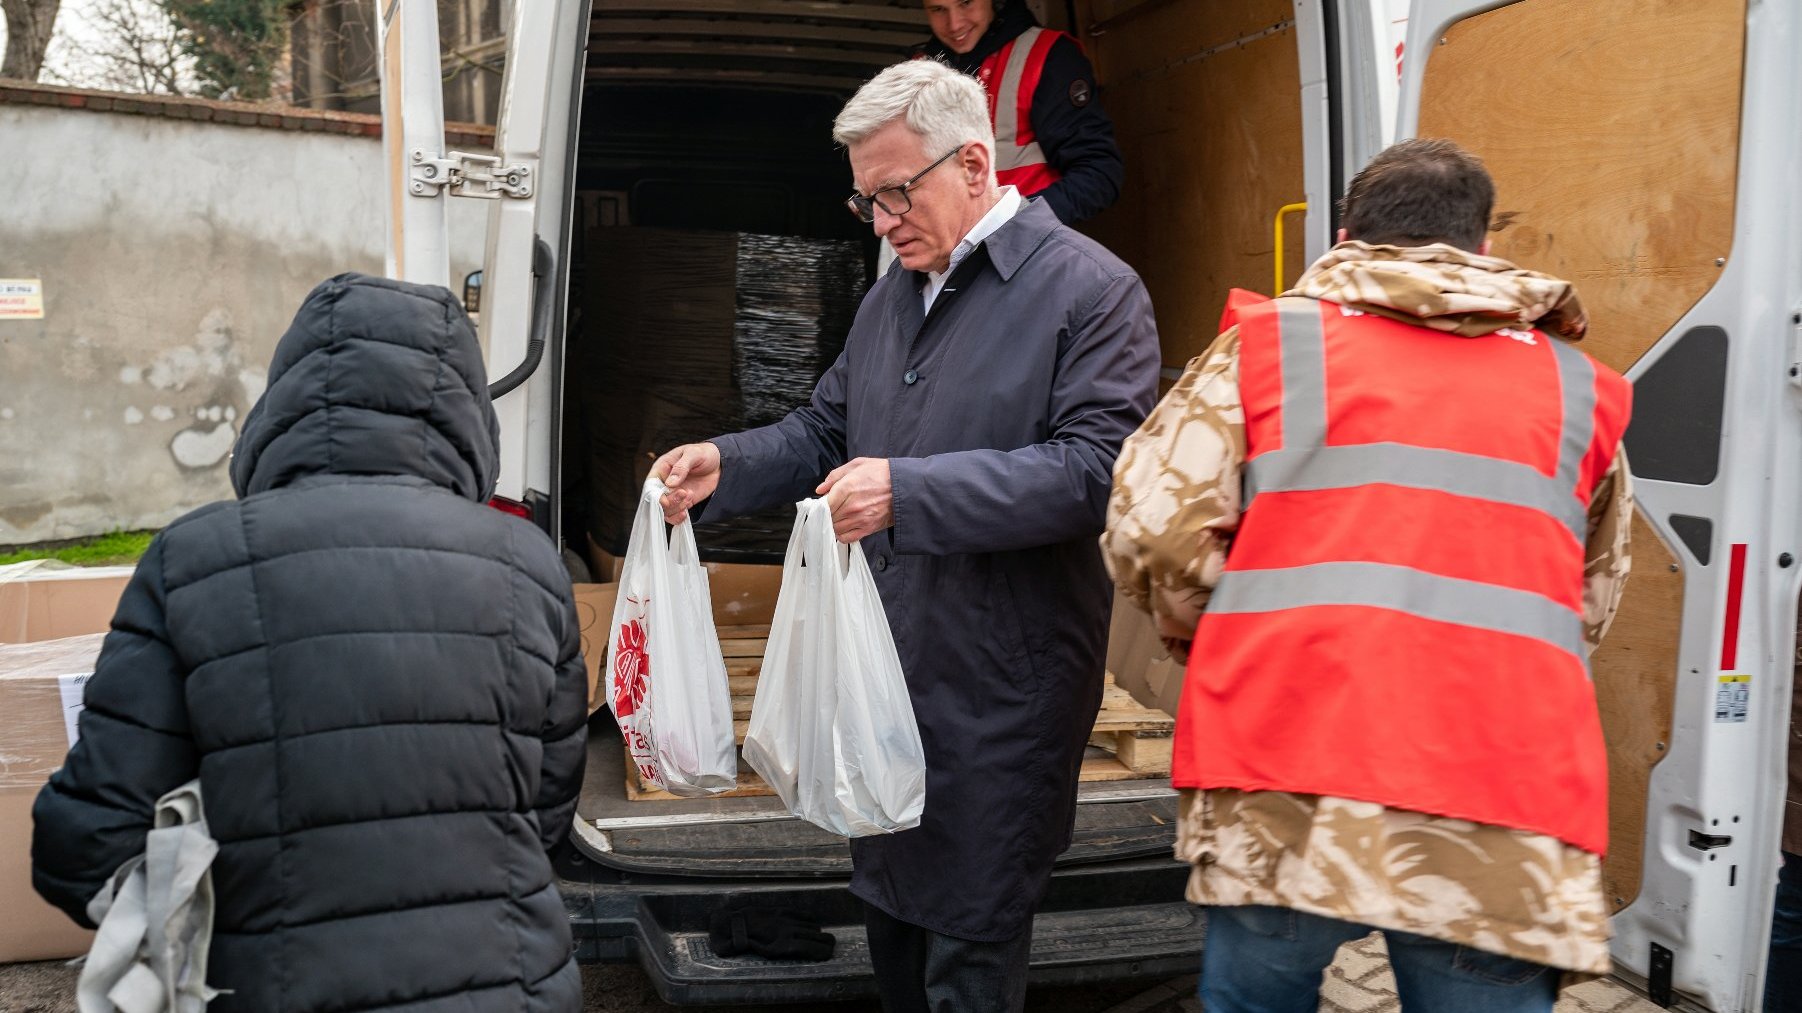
(1400, 618)
(1010, 75)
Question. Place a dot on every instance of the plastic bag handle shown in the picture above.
(677, 540)
(821, 541)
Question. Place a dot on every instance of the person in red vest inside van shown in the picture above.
(1385, 519)
(1052, 139)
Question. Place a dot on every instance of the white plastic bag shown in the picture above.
(832, 728)
(666, 679)
(156, 918)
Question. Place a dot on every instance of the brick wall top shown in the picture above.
(242, 114)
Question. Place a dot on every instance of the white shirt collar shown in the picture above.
(999, 215)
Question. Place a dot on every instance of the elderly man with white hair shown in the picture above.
(966, 438)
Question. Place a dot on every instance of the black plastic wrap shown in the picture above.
(796, 301)
(687, 335)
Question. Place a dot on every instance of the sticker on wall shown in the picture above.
(1731, 697)
(21, 299)
(72, 687)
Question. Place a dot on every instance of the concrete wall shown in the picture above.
(173, 253)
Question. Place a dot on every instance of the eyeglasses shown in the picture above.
(893, 199)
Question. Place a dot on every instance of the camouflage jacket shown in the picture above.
(1171, 518)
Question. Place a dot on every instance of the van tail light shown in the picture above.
(511, 506)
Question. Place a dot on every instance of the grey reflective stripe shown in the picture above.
(1306, 463)
(1303, 348)
(1450, 471)
(1009, 154)
(1401, 589)
(1019, 158)
(1577, 377)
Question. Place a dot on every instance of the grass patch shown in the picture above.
(116, 549)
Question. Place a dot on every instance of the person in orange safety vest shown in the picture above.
(1385, 517)
(1052, 140)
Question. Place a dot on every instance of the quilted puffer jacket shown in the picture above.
(375, 676)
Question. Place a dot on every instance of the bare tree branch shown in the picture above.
(132, 46)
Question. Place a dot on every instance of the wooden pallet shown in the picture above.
(1129, 741)
(1138, 736)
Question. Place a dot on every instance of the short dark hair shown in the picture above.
(1419, 192)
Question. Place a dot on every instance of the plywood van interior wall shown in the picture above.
(1646, 94)
(1205, 98)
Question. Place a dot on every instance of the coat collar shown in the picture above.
(1008, 247)
(1013, 244)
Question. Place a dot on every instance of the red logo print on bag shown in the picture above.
(631, 669)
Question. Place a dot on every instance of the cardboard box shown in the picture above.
(52, 622)
(603, 564)
(743, 595)
(594, 613)
(40, 695)
(1139, 662)
(39, 603)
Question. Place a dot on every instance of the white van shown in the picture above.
(1648, 150)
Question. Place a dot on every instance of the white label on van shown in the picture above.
(71, 686)
(1731, 697)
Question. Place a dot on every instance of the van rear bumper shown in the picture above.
(1099, 922)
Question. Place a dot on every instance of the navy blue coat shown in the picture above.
(1001, 414)
(376, 677)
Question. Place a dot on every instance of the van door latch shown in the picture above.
(468, 175)
(1708, 842)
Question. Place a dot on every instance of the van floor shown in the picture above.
(756, 836)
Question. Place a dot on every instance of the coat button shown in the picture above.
(909, 377)
(881, 562)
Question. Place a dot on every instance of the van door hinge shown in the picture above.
(468, 175)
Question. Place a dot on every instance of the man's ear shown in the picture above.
(1483, 248)
(1341, 237)
(975, 165)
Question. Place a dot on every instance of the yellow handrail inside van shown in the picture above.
(1280, 212)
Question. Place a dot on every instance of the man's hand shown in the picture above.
(861, 498)
(692, 473)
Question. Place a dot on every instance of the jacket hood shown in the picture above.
(1444, 288)
(373, 377)
(1011, 18)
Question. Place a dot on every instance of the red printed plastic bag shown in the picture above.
(666, 679)
(832, 729)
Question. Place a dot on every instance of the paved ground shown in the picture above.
(50, 987)
(1358, 983)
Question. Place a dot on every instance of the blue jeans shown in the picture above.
(1271, 959)
(1783, 978)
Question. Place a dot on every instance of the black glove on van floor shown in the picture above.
(777, 933)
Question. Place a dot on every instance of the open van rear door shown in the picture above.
(1646, 151)
(418, 227)
(524, 286)
(526, 178)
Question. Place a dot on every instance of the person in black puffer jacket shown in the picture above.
(376, 677)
